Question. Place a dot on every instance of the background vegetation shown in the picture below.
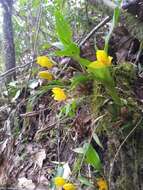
(71, 94)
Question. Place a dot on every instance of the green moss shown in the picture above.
(102, 104)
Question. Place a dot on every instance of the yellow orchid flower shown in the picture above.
(45, 75)
(102, 184)
(59, 94)
(103, 60)
(44, 61)
(69, 186)
(59, 181)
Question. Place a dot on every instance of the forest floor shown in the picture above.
(38, 135)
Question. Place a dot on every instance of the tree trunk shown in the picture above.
(8, 41)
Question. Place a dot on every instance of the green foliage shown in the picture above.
(115, 21)
(85, 181)
(63, 29)
(64, 33)
(90, 155)
(36, 3)
(43, 90)
(22, 2)
(69, 110)
(96, 139)
(79, 79)
(13, 90)
(66, 47)
(70, 50)
(26, 22)
(59, 4)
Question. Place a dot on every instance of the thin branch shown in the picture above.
(101, 24)
(10, 71)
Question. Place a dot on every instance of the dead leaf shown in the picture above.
(39, 157)
(24, 183)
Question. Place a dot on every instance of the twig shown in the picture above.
(5, 74)
(117, 153)
(102, 23)
(33, 113)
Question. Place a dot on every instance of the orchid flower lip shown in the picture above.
(103, 60)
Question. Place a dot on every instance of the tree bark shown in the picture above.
(8, 40)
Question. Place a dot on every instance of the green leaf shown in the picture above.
(45, 46)
(76, 80)
(63, 29)
(59, 4)
(22, 2)
(116, 16)
(58, 45)
(95, 137)
(56, 83)
(114, 23)
(16, 95)
(13, 84)
(103, 75)
(33, 84)
(69, 109)
(79, 150)
(71, 50)
(35, 3)
(85, 181)
(92, 157)
(82, 61)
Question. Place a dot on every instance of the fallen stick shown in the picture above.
(95, 29)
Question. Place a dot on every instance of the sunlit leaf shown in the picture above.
(58, 45)
(16, 95)
(71, 50)
(95, 137)
(22, 2)
(36, 3)
(113, 24)
(63, 28)
(79, 150)
(92, 157)
(33, 84)
(45, 46)
(85, 181)
(69, 109)
(59, 4)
